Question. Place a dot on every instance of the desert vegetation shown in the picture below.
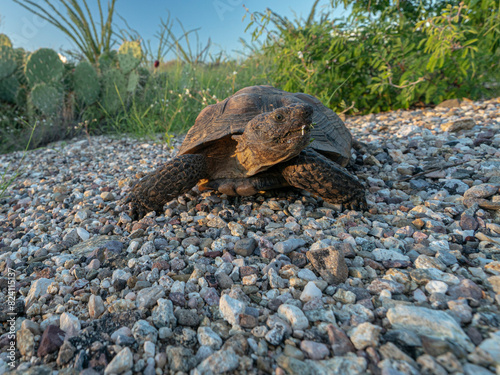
(384, 56)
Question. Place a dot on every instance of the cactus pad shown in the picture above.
(129, 56)
(43, 66)
(107, 61)
(5, 41)
(133, 81)
(86, 83)
(7, 61)
(47, 98)
(8, 89)
(21, 99)
(113, 90)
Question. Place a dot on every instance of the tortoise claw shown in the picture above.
(134, 207)
(357, 205)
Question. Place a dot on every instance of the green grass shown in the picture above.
(176, 92)
(5, 181)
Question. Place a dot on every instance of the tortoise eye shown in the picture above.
(279, 117)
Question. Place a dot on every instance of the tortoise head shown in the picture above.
(274, 137)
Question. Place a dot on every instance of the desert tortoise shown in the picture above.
(258, 139)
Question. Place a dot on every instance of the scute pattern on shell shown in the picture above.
(329, 136)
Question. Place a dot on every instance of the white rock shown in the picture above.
(289, 245)
(178, 287)
(81, 216)
(223, 361)
(397, 155)
(120, 274)
(51, 320)
(385, 254)
(492, 346)
(385, 293)
(38, 288)
(435, 286)
(307, 274)
(408, 130)
(231, 309)
(219, 244)
(364, 335)
(82, 233)
(424, 321)
(123, 331)
(310, 291)
(4, 367)
(207, 337)
(96, 306)
(148, 297)
(122, 362)
(149, 349)
(275, 280)
(419, 296)
(70, 324)
(294, 316)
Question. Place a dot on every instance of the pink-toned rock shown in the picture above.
(466, 289)
(52, 339)
(314, 350)
(341, 344)
(378, 285)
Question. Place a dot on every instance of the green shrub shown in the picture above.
(386, 55)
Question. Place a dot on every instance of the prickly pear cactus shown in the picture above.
(107, 61)
(8, 89)
(86, 83)
(5, 41)
(129, 56)
(47, 98)
(20, 57)
(43, 66)
(21, 99)
(114, 90)
(7, 61)
(133, 81)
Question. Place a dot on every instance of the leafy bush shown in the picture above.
(386, 55)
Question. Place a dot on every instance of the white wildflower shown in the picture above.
(300, 54)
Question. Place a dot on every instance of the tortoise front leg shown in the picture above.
(319, 175)
(166, 183)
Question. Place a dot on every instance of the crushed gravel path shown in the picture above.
(281, 283)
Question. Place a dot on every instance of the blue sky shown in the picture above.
(221, 20)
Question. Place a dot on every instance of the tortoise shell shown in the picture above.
(329, 136)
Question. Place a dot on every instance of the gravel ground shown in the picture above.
(281, 283)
